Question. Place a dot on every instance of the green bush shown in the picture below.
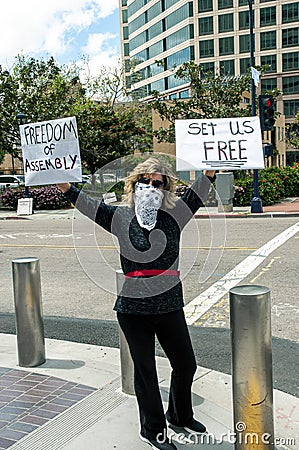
(46, 197)
(275, 183)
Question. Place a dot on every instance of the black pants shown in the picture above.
(173, 335)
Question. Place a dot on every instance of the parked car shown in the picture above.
(9, 181)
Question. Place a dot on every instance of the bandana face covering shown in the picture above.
(147, 202)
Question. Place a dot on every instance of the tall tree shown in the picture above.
(213, 96)
(39, 89)
(43, 90)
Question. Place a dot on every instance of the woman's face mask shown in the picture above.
(148, 200)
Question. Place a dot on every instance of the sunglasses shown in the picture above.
(155, 183)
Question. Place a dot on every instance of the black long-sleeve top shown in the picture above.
(142, 249)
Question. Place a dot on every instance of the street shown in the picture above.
(75, 284)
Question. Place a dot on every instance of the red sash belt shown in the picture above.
(152, 273)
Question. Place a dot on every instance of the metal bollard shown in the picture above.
(28, 308)
(250, 312)
(225, 190)
(126, 362)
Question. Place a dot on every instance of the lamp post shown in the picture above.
(256, 202)
(21, 118)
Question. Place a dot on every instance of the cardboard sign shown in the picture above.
(25, 206)
(219, 144)
(51, 152)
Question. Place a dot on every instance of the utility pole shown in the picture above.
(256, 202)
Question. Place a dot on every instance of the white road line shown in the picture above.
(203, 302)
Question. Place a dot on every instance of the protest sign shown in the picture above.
(51, 152)
(219, 144)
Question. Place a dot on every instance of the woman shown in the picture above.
(151, 300)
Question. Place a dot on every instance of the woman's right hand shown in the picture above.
(64, 187)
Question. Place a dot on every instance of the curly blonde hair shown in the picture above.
(152, 165)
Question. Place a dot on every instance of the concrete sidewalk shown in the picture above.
(287, 207)
(74, 401)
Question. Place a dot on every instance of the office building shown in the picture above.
(215, 34)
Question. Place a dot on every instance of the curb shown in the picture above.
(272, 215)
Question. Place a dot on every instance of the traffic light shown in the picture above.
(268, 150)
(266, 106)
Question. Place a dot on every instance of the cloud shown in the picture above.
(99, 52)
(57, 28)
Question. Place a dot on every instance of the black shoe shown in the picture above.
(193, 426)
(167, 445)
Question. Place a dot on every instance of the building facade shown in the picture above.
(215, 34)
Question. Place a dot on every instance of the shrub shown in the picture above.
(46, 197)
(275, 183)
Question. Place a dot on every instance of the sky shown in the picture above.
(64, 29)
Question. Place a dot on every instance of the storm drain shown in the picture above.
(78, 418)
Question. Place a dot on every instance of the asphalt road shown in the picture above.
(78, 296)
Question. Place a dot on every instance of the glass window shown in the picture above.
(223, 4)
(135, 6)
(244, 65)
(227, 67)
(244, 43)
(205, 5)
(126, 49)
(290, 37)
(290, 12)
(140, 57)
(184, 94)
(124, 2)
(158, 85)
(179, 36)
(174, 82)
(205, 25)
(155, 30)
(128, 81)
(138, 40)
(243, 20)
(178, 58)
(179, 15)
(173, 96)
(140, 75)
(206, 48)
(225, 23)
(268, 16)
(124, 14)
(290, 107)
(271, 61)
(226, 45)
(268, 40)
(268, 84)
(154, 69)
(137, 23)
(290, 85)
(154, 10)
(243, 2)
(155, 49)
(208, 67)
(169, 3)
(141, 92)
(128, 65)
(125, 33)
(290, 61)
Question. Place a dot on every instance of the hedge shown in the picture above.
(274, 183)
(46, 197)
